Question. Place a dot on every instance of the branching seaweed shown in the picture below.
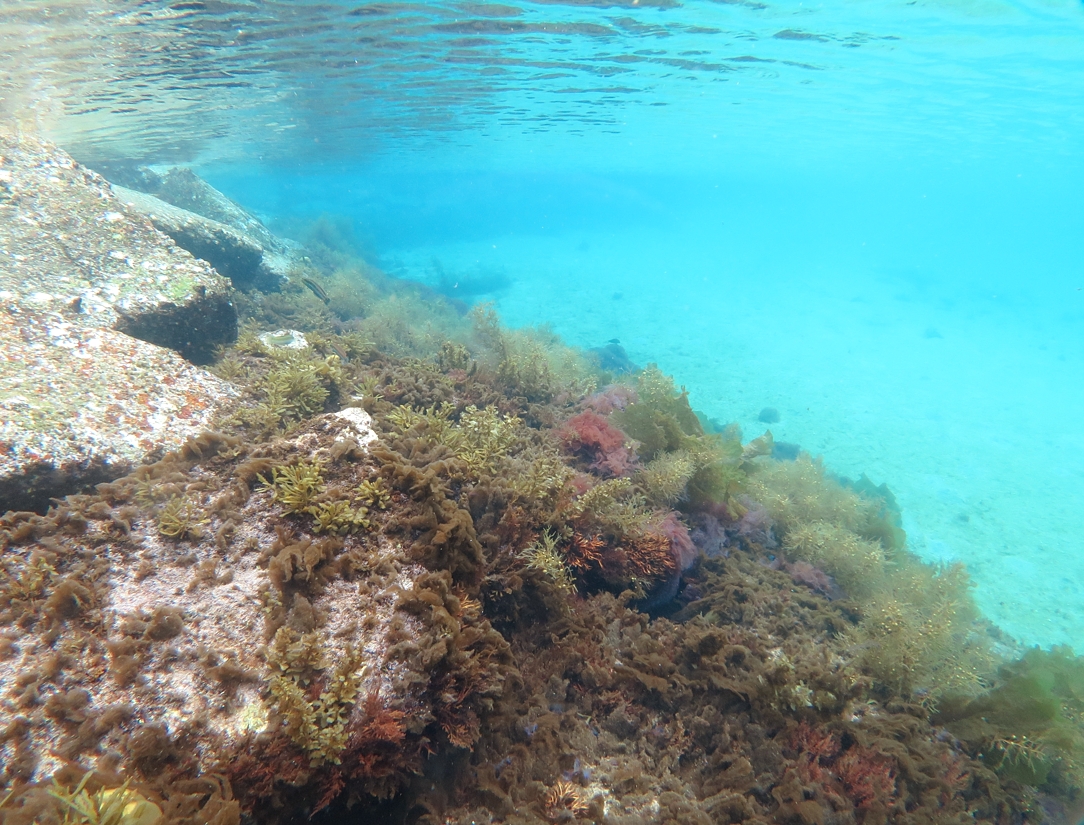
(320, 726)
(296, 486)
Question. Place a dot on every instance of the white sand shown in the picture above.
(969, 405)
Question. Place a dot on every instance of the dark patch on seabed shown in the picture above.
(430, 569)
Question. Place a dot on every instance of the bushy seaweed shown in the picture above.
(1029, 726)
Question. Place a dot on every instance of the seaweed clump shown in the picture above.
(1029, 726)
(300, 489)
(918, 628)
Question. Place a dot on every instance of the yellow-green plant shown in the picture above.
(614, 506)
(296, 486)
(29, 578)
(544, 557)
(338, 517)
(857, 564)
(296, 655)
(482, 437)
(664, 478)
(180, 518)
(541, 480)
(106, 806)
(917, 630)
(800, 492)
(533, 362)
(374, 493)
(320, 726)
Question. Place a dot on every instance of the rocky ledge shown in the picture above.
(103, 317)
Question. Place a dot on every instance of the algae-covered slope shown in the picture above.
(431, 569)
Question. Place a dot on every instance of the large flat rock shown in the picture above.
(98, 313)
(64, 234)
(247, 260)
(79, 405)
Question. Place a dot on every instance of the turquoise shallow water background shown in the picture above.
(865, 214)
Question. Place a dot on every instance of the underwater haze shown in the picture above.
(863, 215)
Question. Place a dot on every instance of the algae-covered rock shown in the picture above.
(81, 279)
(210, 626)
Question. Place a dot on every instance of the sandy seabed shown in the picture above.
(967, 403)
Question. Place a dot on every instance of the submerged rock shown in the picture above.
(67, 240)
(81, 279)
(248, 261)
(220, 627)
(80, 405)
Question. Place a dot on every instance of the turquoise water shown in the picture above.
(867, 215)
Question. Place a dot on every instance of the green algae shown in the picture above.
(1029, 726)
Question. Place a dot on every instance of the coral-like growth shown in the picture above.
(584, 552)
(300, 489)
(612, 506)
(483, 437)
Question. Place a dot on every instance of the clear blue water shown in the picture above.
(864, 213)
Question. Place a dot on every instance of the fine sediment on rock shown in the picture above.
(98, 310)
(249, 261)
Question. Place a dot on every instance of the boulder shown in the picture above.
(206, 223)
(67, 240)
(215, 630)
(81, 405)
(99, 313)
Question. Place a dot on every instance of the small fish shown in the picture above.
(317, 290)
(614, 341)
(758, 446)
(338, 350)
